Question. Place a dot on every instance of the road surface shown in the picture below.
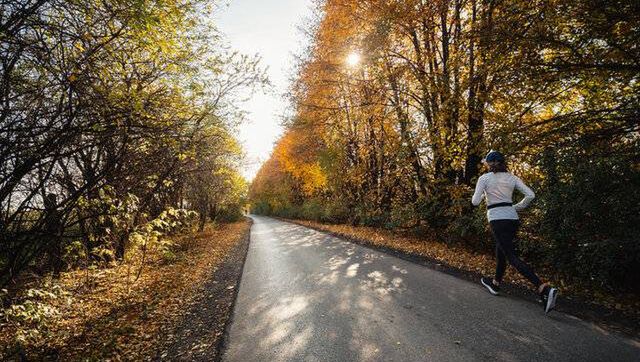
(308, 296)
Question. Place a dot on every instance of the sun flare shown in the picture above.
(353, 59)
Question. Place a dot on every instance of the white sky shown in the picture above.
(268, 28)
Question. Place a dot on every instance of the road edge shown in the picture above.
(223, 342)
(210, 314)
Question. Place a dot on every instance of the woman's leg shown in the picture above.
(504, 231)
(501, 265)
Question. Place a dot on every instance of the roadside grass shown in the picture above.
(105, 314)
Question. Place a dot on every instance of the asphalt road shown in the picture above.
(308, 296)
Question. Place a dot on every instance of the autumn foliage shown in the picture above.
(117, 135)
(396, 140)
(113, 113)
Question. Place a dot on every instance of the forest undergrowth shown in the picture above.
(112, 312)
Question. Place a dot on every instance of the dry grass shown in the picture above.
(115, 319)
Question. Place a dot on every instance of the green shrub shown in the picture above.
(230, 213)
(433, 209)
(312, 210)
(261, 208)
(402, 215)
(33, 312)
(335, 211)
(590, 213)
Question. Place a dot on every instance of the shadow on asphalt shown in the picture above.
(346, 277)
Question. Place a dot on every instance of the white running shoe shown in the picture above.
(549, 297)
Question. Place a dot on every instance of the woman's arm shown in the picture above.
(528, 195)
(477, 195)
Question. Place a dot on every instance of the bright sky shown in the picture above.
(268, 28)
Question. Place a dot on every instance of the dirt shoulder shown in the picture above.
(106, 316)
(618, 313)
(200, 334)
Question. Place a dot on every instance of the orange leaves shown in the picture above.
(292, 172)
(296, 153)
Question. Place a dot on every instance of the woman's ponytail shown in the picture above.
(498, 166)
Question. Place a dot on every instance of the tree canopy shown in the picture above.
(112, 113)
(396, 139)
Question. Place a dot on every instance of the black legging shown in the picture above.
(504, 231)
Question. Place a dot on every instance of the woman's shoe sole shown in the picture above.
(551, 300)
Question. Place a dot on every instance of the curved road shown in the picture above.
(308, 296)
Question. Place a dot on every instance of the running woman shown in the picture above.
(497, 187)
